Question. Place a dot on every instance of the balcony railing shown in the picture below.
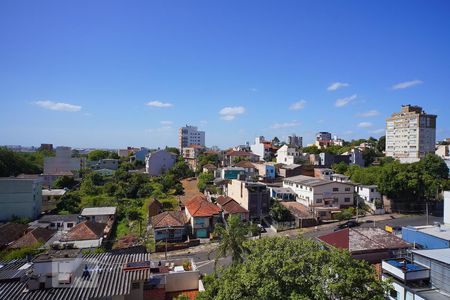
(405, 270)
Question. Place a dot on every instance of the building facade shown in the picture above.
(189, 135)
(62, 162)
(158, 162)
(410, 134)
(20, 198)
(295, 141)
(253, 196)
(287, 155)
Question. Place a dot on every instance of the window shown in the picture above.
(347, 189)
(69, 225)
(346, 199)
(335, 189)
(393, 293)
(323, 213)
(318, 200)
(135, 285)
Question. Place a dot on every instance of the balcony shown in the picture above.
(405, 270)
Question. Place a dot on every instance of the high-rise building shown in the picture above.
(189, 135)
(296, 141)
(323, 136)
(410, 134)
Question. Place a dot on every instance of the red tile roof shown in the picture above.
(85, 231)
(169, 218)
(230, 206)
(35, 236)
(245, 164)
(338, 239)
(199, 206)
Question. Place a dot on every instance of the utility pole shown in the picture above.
(426, 209)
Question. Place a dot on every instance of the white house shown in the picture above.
(372, 197)
(84, 235)
(158, 162)
(20, 198)
(323, 197)
(60, 222)
(287, 155)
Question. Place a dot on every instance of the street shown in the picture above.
(204, 254)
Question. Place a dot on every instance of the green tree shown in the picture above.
(381, 144)
(275, 141)
(345, 214)
(283, 268)
(70, 203)
(369, 156)
(173, 150)
(311, 149)
(232, 237)
(64, 182)
(101, 154)
(12, 163)
(340, 168)
(204, 179)
(279, 213)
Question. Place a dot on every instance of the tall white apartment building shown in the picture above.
(189, 135)
(410, 134)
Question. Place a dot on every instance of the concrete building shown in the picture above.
(287, 155)
(140, 154)
(266, 170)
(158, 162)
(20, 198)
(371, 197)
(324, 173)
(410, 134)
(190, 135)
(427, 237)
(355, 157)
(323, 197)
(295, 141)
(447, 207)
(264, 149)
(424, 275)
(62, 162)
(253, 196)
(106, 163)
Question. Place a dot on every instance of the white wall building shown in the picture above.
(323, 196)
(20, 197)
(447, 207)
(410, 134)
(158, 162)
(287, 155)
(189, 135)
(62, 162)
(370, 195)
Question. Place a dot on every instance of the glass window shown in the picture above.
(335, 189)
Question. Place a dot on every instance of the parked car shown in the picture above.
(348, 224)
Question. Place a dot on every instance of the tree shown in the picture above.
(279, 213)
(283, 268)
(369, 156)
(340, 168)
(173, 150)
(232, 237)
(204, 179)
(64, 182)
(381, 144)
(101, 154)
(12, 163)
(311, 149)
(70, 203)
(345, 214)
(275, 141)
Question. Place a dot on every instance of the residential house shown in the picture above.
(295, 141)
(355, 157)
(202, 216)
(424, 274)
(253, 196)
(209, 168)
(33, 237)
(340, 178)
(323, 173)
(282, 193)
(231, 207)
(324, 197)
(141, 154)
(159, 162)
(62, 162)
(266, 170)
(232, 156)
(105, 215)
(232, 173)
(301, 214)
(249, 167)
(10, 232)
(60, 222)
(126, 275)
(106, 163)
(294, 170)
(86, 234)
(371, 197)
(288, 155)
(52, 195)
(20, 198)
(264, 149)
(154, 207)
(427, 237)
(371, 244)
(169, 226)
(190, 155)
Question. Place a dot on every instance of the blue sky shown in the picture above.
(112, 74)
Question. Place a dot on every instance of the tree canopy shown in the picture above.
(283, 268)
(101, 154)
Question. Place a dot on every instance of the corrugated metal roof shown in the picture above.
(442, 255)
(107, 279)
(99, 211)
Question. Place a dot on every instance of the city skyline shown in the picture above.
(110, 75)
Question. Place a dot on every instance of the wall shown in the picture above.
(158, 162)
(427, 241)
(20, 197)
(447, 207)
(61, 162)
(182, 281)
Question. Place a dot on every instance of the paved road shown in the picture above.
(204, 254)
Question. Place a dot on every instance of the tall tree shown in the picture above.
(283, 268)
(232, 238)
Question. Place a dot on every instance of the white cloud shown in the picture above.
(60, 106)
(285, 125)
(368, 114)
(298, 105)
(344, 101)
(166, 122)
(381, 130)
(158, 104)
(337, 85)
(364, 125)
(406, 84)
(229, 113)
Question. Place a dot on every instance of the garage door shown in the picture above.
(202, 233)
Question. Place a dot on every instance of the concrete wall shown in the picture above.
(20, 197)
(182, 281)
(61, 162)
(447, 207)
(159, 162)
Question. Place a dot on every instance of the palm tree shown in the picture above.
(232, 237)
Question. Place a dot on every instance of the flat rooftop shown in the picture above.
(441, 255)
